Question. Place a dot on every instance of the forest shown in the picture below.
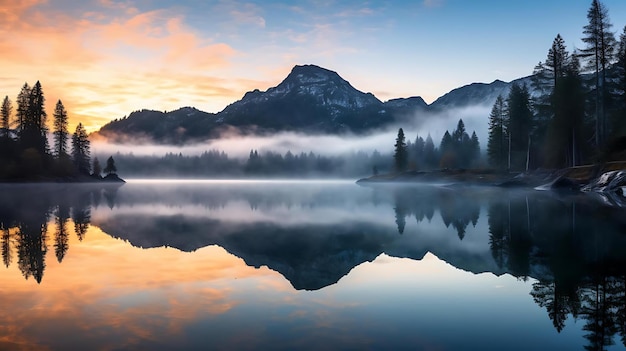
(573, 113)
(25, 152)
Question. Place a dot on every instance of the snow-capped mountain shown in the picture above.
(310, 99)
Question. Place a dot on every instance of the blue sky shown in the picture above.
(109, 57)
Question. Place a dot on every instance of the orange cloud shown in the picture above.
(106, 62)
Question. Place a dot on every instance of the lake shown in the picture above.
(306, 265)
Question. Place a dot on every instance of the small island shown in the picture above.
(25, 152)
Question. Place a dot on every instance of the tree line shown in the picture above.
(25, 152)
(261, 164)
(457, 149)
(577, 108)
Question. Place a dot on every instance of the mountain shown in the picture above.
(310, 99)
(476, 94)
(172, 127)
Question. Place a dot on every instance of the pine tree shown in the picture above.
(110, 168)
(60, 132)
(80, 150)
(497, 144)
(556, 61)
(446, 149)
(34, 130)
(400, 155)
(5, 116)
(430, 154)
(96, 168)
(474, 149)
(520, 123)
(598, 54)
(565, 140)
(619, 120)
(22, 107)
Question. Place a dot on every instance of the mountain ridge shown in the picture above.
(311, 99)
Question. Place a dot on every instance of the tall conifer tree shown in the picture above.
(60, 132)
(401, 155)
(598, 54)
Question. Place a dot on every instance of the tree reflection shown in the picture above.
(61, 237)
(576, 251)
(25, 212)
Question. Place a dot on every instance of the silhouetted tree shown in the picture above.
(5, 117)
(557, 60)
(520, 123)
(565, 139)
(60, 132)
(400, 155)
(598, 54)
(619, 117)
(34, 129)
(110, 167)
(96, 168)
(80, 150)
(22, 101)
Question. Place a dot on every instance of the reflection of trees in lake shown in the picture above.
(421, 202)
(61, 237)
(24, 216)
(457, 212)
(576, 251)
(7, 254)
(31, 245)
(81, 212)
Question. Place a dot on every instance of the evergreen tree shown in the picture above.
(461, 146)
(400, 155)
(446, 148)
(598, 54)
(474, 148)
(619, 118)
(5, 116)
(497, 145)
(556, 61)
(34, 130)
(110, 168)
(96, 168)
(22, 107)
(80, 150)
(430, 154)
(565, 139)
(520, 123)
(60, 130)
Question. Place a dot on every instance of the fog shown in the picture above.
(382, 140)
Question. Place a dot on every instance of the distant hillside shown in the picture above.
(310, 99)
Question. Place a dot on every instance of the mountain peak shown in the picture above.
(311, 74)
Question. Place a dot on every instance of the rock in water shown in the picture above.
(608, 182)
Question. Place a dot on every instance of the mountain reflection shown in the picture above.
(569, 244)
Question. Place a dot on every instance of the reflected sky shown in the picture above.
(304, 266)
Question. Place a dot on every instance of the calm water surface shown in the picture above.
(309, 266)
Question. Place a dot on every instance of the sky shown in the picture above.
(107, 58)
